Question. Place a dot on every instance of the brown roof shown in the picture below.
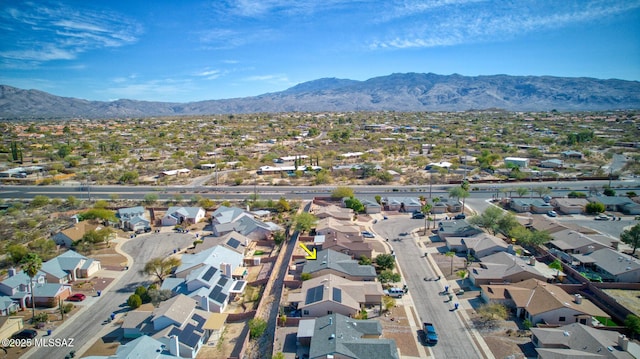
(80, 229)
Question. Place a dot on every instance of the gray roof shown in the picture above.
(569, 239)
(172, 284)
(337, 334)
(63, 264)
(188, 212)
(227, 214)
(611, 201)
(142, 347)
(612, 261)
(6, 303)
(130, 212)
(330, 259)
(577, 340)
(212, 256)
(48, 290)
(178, 308)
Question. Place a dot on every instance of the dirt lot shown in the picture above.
(222, 349)
(396, 326)
(109, 258)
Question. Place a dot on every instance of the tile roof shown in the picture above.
(578, 341)
(330, 259)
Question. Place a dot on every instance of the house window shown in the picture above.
(562, 319)
(583, 321)
(305, 312)
(329, 312)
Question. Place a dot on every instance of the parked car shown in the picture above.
(367, 234)
(430, 335)
(601, 217)
(25, 334)
(460, 216)
(417, 215)
(552, 214)
(78, 297)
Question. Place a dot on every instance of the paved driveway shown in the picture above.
(454, 339)
(85, 327)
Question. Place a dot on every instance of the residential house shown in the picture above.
(331, 225)
(478, 245)
(552, 163)
(569, 205)
(226, 214)
(617, 204)
(533, 205)
(503, 267)
(338, 336)
(331, 262)
(133, 219)
(572, 154)
(403, 204)
(610, 264)
(10, 326)
(370, 206)
(7, 305)
(541, 302)
(69, 266)
(333, 294)
(180, 325)
(70, 235)
(456, 228)
(16, 287)
(333, 211)
(352, 245)
(142, 347)
(247, 226)
(179, 215)
(214, 256)
(516, 161)
(577, 340)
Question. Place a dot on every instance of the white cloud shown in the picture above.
(152, 90)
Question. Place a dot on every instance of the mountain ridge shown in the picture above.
(404, 92)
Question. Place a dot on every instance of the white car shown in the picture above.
(552, 214)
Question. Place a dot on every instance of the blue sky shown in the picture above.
(184, 51)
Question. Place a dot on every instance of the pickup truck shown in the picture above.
(430, 335)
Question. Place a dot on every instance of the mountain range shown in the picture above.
(396, 92)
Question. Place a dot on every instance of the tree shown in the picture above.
(489, 219)
(31, 264)
(354, 204)
(150, 198)
(493, 311)
(304, 222)
(542, 191)
(257, 326)
(156, 296)
(507, 223)
(129, 177)
(631, 237)
(282, 205)
(594, 208)
(451, 254)
(279, 237)
(161, 267)
(16, 252)
(385, 261)
(39, 201)
(633, 323)
(141, 291)
(609, 192)
(388, 276)
(98, 213)
(575, 194)
(522, 191)
(556, 264)
(364, 260)
(134, 301)
(459, 192)
(342, 192)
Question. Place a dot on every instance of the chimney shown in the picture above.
(532, 261)
(577, 299)
(174, 346)
(11, 272)
(623, 342)
(226, 269)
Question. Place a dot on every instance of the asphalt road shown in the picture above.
(86, 326)
(431, 306)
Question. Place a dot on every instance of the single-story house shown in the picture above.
(10, 326)
(456, 228)
(69, 266)
(552, 163)
(333, 211)
(503, 267)
(569, 205)
(610, 264)
(331, 262)
(516, 161)
(617, 204)
(403, 204)
(179, 215)
(577, 340)
(142, 347)
(70, 235)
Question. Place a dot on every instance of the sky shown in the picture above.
(183, 51)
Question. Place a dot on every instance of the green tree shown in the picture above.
(459, 192)
(507, 223)
(631, 237)
(304, 222)
(451, 254)
(385, 261)
(282, 205)
(134, 301)
(364, 260)
(161, 267)
(633, 323)
(142, 292)
(31, 264)
(16, 253)
(609, 192)
(98, 213)
(542, 191)
(575, 194)
(257, 326)
(129, 177)
(388, 276)
(279, 355)
(342, 192)
(39, 201)
(522, 191)
(489, 219)
(150, 198)
(279, 237)
(354, 204)
(594, 208)
(556, 264)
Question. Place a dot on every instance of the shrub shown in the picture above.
(134, 301)
(305, 276)
(257, 326)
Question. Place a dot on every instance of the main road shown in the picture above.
(432, 306)
(84, 328)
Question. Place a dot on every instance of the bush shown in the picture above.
(134, 301)
(257, 326)
(305, 276)
(42, 317)
(594, 207)
(67, 308)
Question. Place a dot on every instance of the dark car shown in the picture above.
(417, 215)
(367, 234)
(460, 216)
(430, 335)
(25, 334)
(78, 297)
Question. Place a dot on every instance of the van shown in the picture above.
(394, 292)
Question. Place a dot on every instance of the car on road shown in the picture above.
(25, 334)
(430, 335)
(460, 216)
(418, 215)
(78, 297)
(601, 217)
(552, 214)
(367, 234)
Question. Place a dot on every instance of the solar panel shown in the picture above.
(189, 336)
(210, 272)
(222, 281)
(314, 294)
(233, 243)
(175, 331)
(216, 290)
(337, 295)
(221, 297)
(238, 285)
(198, 319)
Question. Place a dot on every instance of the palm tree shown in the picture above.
(451, 254)
(31, 264)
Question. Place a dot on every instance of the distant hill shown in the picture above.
(396, 92)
